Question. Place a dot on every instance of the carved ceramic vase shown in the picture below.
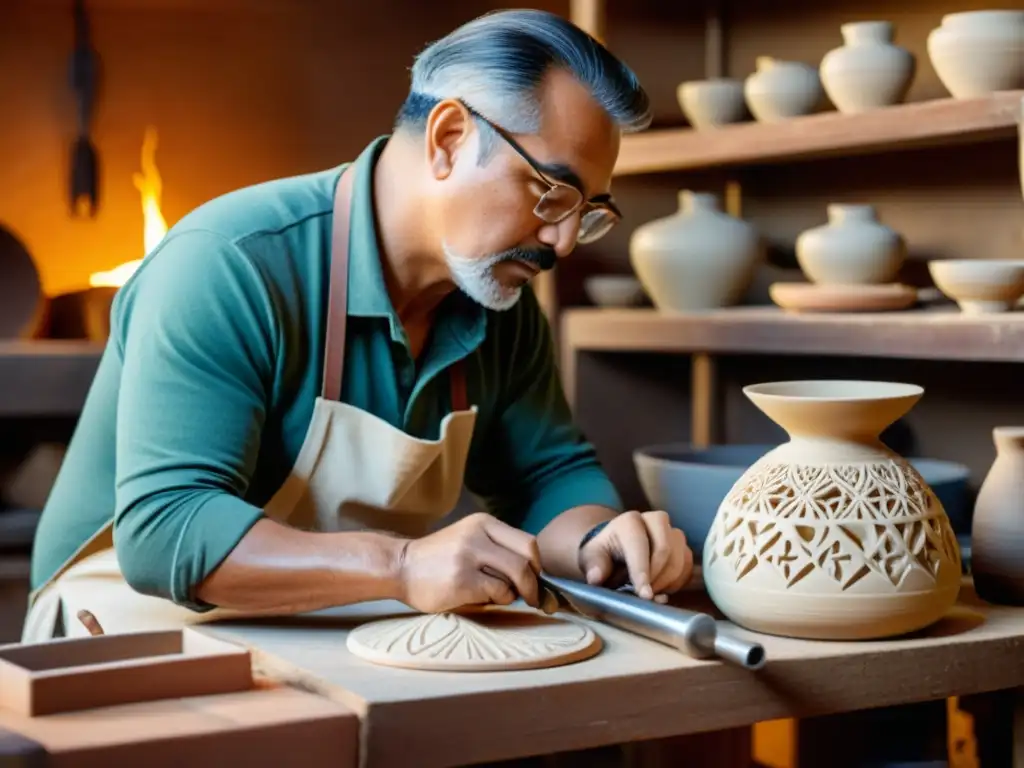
(854, 247)
(997, 531)
(977, 52)
(869, 70)
(698, 258)
(832, 535)
(779, 90)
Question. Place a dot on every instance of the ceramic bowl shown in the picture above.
(614, 290)
(712, 103)
(690, 483)
(980, 286)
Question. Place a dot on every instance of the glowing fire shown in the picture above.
(154, 227)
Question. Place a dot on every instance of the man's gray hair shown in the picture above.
(496, 62)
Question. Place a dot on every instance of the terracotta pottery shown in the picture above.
(832, 535)
(977, 52)
(869, 71)
(980, 286)
(696, 259)
(779, 90)
(712, 103)
(997, 531)
(809, 297)
(854, 247)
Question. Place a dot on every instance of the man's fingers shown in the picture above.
(520, 542)
(659, 532)
(680, 569)
(497, 590)
(516, 571)
(630, 535)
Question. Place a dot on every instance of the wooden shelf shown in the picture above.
(939, 333)
(906, 126)
(46, 378)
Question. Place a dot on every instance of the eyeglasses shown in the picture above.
(563, 200)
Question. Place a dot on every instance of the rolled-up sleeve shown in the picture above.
(535, 463)
(196, 332)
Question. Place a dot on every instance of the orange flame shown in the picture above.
(154, 227)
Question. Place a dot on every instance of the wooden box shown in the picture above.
(105, 670)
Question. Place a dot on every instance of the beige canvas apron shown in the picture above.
(354, 471)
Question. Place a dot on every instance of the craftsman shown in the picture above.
(304, 374)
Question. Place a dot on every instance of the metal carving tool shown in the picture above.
(694, 633)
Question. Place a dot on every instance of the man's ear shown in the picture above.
(449, 131)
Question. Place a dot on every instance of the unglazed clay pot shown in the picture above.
(832, 535)
(696, 259)
(977, 52)
(852, 248)
(869, 70)
(780, 90)
(712, 103)
(997, 531)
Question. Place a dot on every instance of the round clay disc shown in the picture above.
(489, 640)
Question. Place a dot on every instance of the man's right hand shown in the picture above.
(475, 561)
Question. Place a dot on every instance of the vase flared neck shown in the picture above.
(690, 201)
(1009, 440)
(866, 32)
(839, 213)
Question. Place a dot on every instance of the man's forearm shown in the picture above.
(280, 570)
(559, 541)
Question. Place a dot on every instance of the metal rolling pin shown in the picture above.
(694, 633)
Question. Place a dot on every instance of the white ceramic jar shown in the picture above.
(869, 70)
(853, 248)
(977, 52)
(698, 258)
(779, 90)
(712, 103)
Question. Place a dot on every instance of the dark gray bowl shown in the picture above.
(689, 483)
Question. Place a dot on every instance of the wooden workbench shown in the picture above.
(634, 689)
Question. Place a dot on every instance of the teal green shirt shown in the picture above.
(207, 383)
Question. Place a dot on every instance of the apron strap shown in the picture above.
(337, 304)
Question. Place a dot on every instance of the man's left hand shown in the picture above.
(655, 555)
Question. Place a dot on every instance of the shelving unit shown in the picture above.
(941, 122)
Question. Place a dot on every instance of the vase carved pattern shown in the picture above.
(876, 521)
(487, 639)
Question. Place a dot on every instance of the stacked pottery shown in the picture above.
(869, 71)
(832, 535)
(698, 258)
(779, 90)
(852, 262)
(978, 52)
(997, 532)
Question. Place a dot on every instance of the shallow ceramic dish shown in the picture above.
(614, 290)
(689, 483)
(980, 286)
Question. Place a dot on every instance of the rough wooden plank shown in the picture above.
(634, 689)
(46, 378)
(905, 126)
(935, 334)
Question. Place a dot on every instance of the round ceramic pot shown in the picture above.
(997, 533)
(869, 71)
(852, 248)
(698, 258)
(614, 290)
(832, 535)
(712, 103)
(978, 52)
(779, 90)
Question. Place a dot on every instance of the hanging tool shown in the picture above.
(83, 69)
